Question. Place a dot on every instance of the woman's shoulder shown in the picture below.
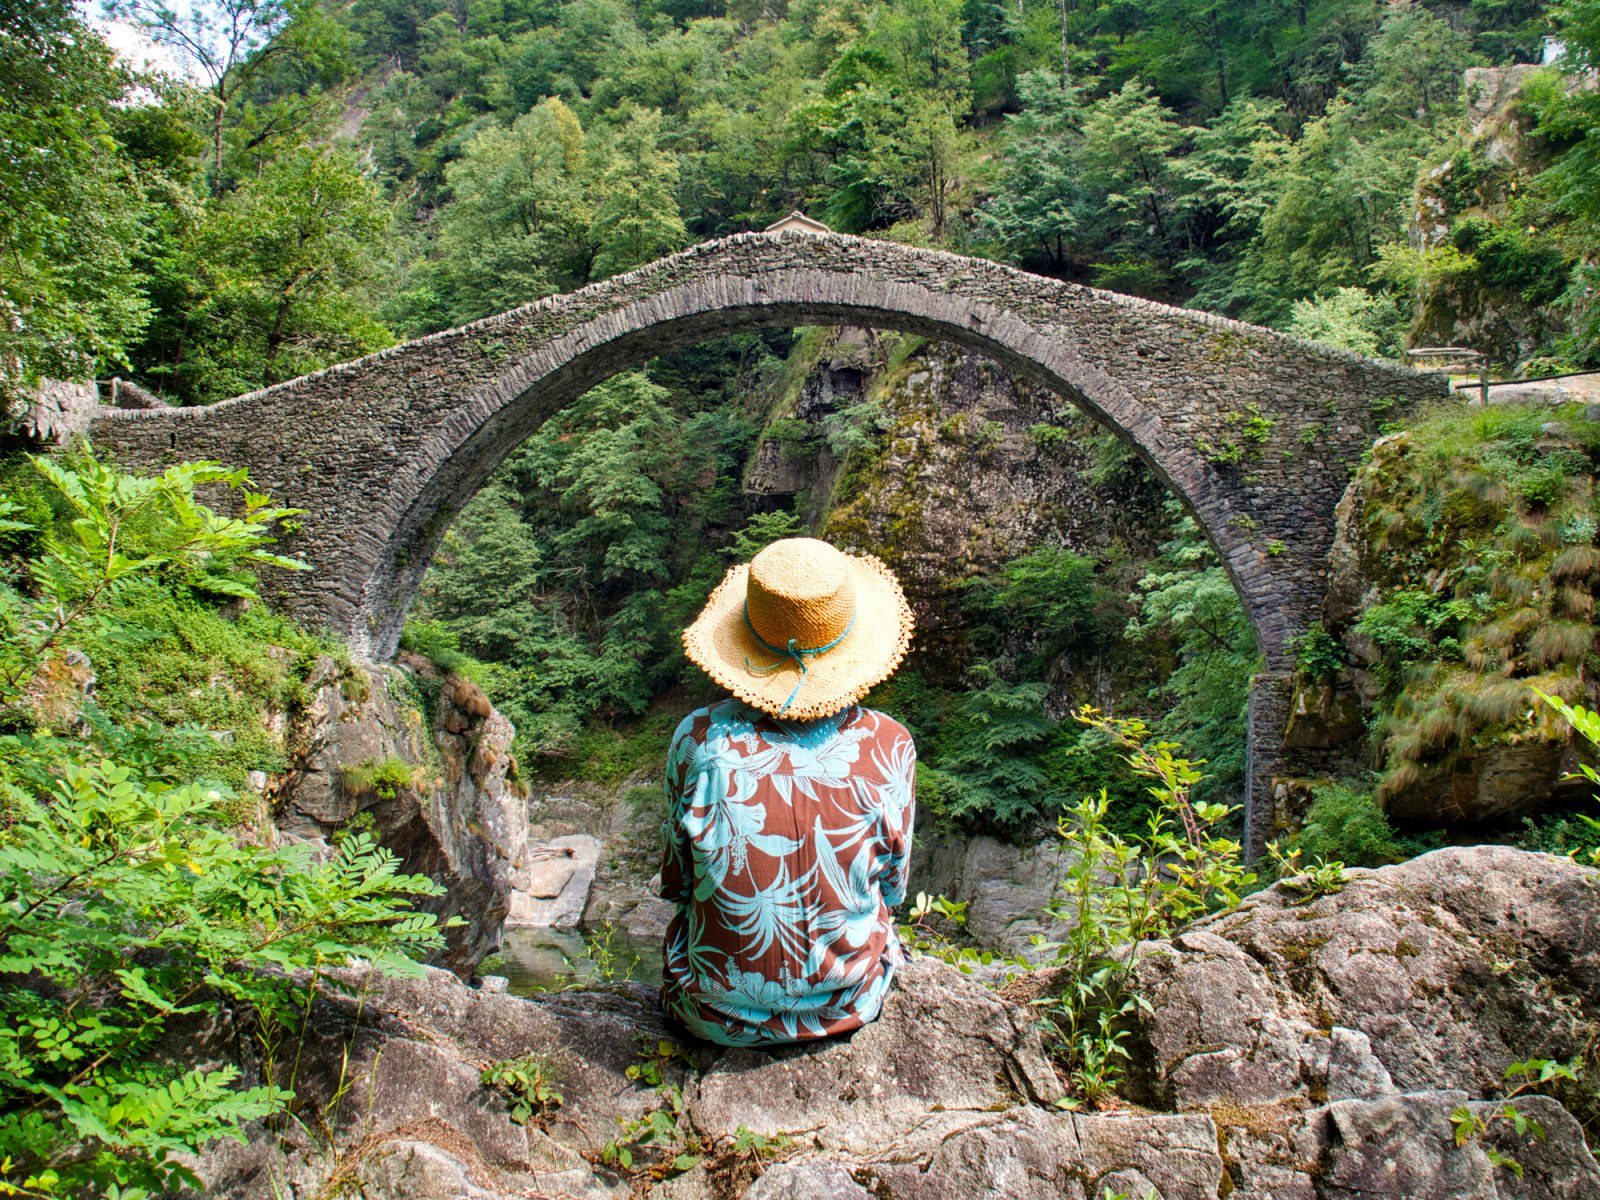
(882, 725)
(723, 718)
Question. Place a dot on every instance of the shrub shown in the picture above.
(529, 1083)
(1318, 653)
(1348, 826)
(1562, 833)
(132, 911)
(131, 915)
(1121, 891)
(385, 778)
(1045, 436)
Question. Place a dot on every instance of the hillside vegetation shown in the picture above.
(333, 176)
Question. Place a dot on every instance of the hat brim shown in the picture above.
(722, 644)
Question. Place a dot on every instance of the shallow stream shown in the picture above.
(539, 960)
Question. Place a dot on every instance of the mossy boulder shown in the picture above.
(1462, 582)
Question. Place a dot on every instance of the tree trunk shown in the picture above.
(275, 338)
(1222, 66)
(216, 139)
(1066, 71)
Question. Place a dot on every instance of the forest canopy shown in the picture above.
(325, 178)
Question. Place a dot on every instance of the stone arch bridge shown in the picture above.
(1257, 433)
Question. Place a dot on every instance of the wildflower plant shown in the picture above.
(1123, 891)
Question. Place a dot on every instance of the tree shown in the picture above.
(1343, 192)
(1568, 113)
(1034, 211)
(1189, 602)
(518, 228)
(986, 756)
(279, 270)
(234, 45)
(488, 576)
(73, 213)
(1351, 319)
(636, 217)
(1228, 182)
(1128, 138)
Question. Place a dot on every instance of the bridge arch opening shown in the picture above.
(530, 393)
(932, 432)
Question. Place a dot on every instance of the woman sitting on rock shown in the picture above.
(788, 829)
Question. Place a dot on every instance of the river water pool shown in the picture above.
(539, 960)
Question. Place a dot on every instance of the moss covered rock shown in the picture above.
(1463, 578)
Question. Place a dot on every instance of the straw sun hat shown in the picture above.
(802, 630)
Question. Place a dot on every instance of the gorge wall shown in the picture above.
(366, 755)
(965, 466)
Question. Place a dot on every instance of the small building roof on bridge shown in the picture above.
(797, 220)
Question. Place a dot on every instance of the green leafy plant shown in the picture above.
(1045, 436)
(1256, 427)
(1584, 721)
(1322, 877)
(123, 532)
(761, 530)
(529, 1082)
(933, 927)
(985, 755)
(1345, 824)
(385, 778)
(1121, 891)
(1520, 1078)
(664, 1134)
(1228, 454)
(130, 911)
(1318, 653)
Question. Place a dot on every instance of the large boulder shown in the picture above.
(436, 793)
(1299, 1047)
(1436, 973)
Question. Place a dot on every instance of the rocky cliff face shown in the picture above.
(1452, 720)
(954, 466)
(1502, 308)
(366, 756)
(1299, 1047)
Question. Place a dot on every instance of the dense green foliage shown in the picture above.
(132, 911)
(72, 214)
(1347, 825)
(327, 177)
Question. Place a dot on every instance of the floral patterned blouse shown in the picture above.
(786, 845)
